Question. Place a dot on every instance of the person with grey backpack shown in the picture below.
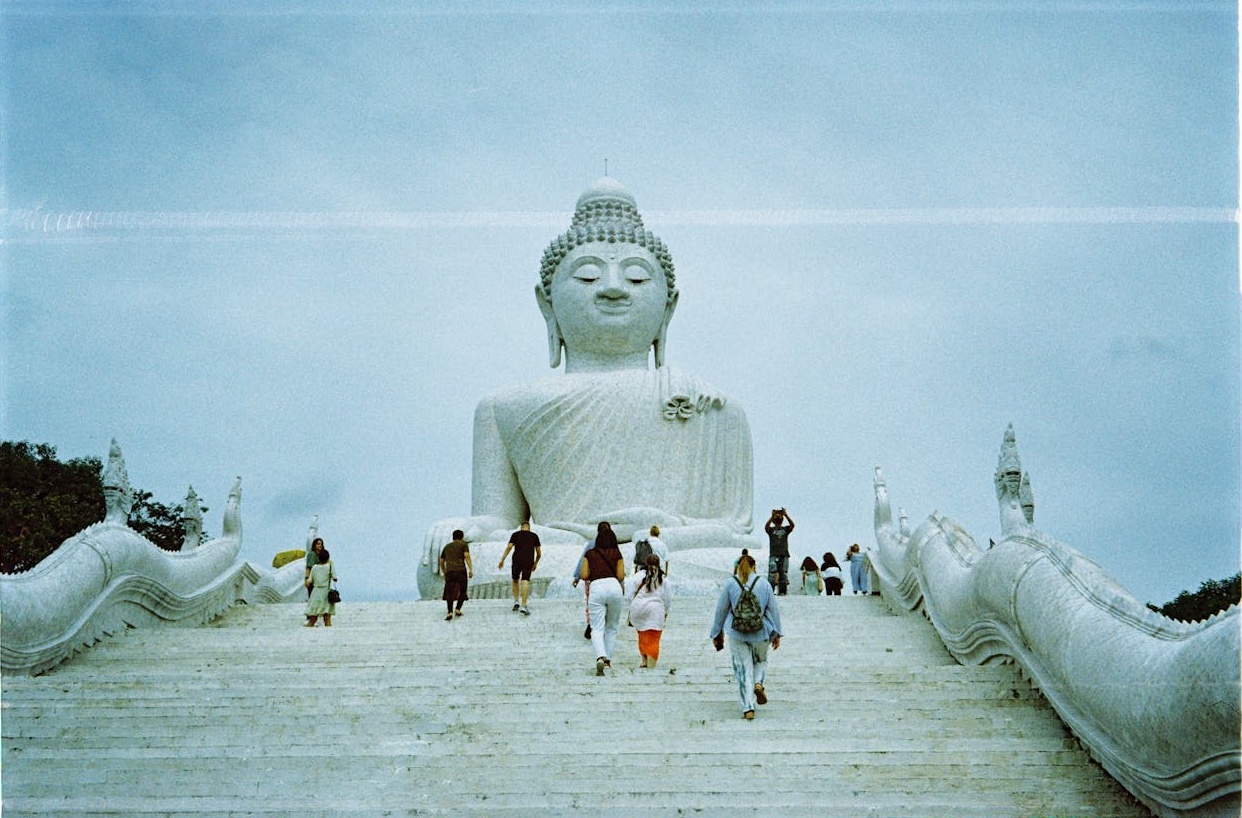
(746, 611)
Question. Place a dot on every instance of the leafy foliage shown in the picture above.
(1213, 596)
(44, 502)
(159, 523)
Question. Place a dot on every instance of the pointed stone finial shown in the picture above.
(1008, 479)
(883, 511)
(312, 532)
(192, 521)
(118, 495)
(232, 512)
(1027, 498)
(1009, 465)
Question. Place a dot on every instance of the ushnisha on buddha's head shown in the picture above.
(606, 286)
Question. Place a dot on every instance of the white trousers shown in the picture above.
(605, 605)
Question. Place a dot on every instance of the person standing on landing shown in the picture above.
(858, 575)
(779, 526)
(319, 582)
(312, 559)
(812, 582)
(456, 568)
(748, 649)
(830, 569)
(527, 552)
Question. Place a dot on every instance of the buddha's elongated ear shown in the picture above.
(554, 331)
(669, 307)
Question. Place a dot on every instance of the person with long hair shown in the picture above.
(812, 584)
(312, 559)
(321, 578)
(830, 570)
(747, 649)
(650, 600)
(604, 567)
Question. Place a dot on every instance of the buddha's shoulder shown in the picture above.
(542, 389)
(639, 385)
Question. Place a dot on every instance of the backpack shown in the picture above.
(642, 550)
(747, 613)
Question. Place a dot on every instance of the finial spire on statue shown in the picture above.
(118, 496)
(883, 510)
(1008, 479)
(192, 521)
(232, 511)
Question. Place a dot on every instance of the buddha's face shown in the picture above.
(610, 299)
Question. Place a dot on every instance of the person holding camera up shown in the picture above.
(779, 526)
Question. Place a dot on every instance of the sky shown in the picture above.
(298, 242)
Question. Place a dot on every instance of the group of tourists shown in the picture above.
(828, 577)
(746, 613)
(457, 569)
(601, 570)
(746, 618)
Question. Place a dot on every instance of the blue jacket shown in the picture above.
(723, 619)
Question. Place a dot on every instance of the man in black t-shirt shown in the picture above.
(524, 544)
(779, 526)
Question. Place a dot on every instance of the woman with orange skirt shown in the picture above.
(650, 600)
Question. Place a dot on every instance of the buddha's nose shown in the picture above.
(613, 282)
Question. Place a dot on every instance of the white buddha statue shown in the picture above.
(612, 438)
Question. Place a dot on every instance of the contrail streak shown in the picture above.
(28, 224)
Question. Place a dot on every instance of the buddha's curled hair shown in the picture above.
(606, 216)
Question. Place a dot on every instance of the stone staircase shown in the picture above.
(394, 711)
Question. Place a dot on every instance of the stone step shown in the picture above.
(498, 713)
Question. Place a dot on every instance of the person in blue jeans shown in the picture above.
(858, 575)
(748, 651)
(779, 526)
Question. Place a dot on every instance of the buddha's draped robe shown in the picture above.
(581, 446)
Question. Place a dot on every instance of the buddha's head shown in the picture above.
(606, 286)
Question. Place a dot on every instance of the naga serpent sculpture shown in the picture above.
(1154, 700)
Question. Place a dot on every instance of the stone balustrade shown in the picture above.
(1154, 700)
(108, 577)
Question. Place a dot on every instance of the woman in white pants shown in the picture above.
(604, 566)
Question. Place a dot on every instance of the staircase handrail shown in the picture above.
(107, 578)
(1154, 700)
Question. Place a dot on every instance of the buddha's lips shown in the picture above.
(613, 306)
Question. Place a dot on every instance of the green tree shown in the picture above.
(44, 501)
(159, 523)
(1213, 596)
